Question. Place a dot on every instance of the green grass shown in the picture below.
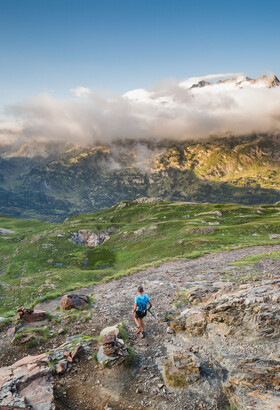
(37, 336)
(123, 332)
(94, 356)
(131, 358)
(252, 259)
(5, 323)
(144, 235)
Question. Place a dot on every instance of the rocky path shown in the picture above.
(142, 386)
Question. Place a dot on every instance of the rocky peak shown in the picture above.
(200, 84)
(241, 81)
(273, 81)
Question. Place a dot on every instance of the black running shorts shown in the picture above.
(140, 313)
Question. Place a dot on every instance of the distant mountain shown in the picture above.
(54, 181)
(242, 81)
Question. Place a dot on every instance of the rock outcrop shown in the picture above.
(28, 383)
(88, 238)
(75, 347)
(238, 331)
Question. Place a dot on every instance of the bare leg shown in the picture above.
(137, 321)
(142, 324)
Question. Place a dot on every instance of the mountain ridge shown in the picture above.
(241, 81)
(86, 179)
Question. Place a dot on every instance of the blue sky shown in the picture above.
(118, 45)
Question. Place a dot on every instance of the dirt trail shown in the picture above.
(137, 387)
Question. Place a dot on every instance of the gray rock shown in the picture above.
(88, 238)
(274, 236)
(105, 360)
(6, 231)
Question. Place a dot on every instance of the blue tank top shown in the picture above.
(142, 301)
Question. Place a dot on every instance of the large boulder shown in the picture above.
(73, 301)
(28, 383)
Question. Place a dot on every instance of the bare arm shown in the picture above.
(150, 303)
(135, 307)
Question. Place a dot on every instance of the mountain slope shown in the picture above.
(81, 179)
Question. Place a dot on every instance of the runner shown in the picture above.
(140, 310)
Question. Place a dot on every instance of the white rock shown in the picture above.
(110, 329)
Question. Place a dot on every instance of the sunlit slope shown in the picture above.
(86, 179)
(38, 260)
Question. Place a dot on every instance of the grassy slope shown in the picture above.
(143, 234)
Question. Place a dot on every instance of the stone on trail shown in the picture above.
(11, 332)
(114, 350)
(170, 331)
(73, 301)
(105, 360)
(73, 349)
(78, 352)
(30, 316)
(62, 366)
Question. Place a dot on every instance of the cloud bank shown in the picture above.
(171, 109)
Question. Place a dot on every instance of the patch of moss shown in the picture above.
(52, 365)
(5, 323)
(173, 379)
(35, 337)
(123, 333)
(99, 258)
(131, 358)
(94, 356)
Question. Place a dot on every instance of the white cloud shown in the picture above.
(169, 110)
(81, 91)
